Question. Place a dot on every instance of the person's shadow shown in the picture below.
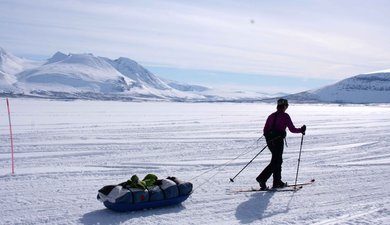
(254, 208)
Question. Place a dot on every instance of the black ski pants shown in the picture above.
(275, 166)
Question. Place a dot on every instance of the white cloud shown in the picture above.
(294, 38)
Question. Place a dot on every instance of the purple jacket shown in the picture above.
(282, 121)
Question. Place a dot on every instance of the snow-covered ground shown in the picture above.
(66, 151)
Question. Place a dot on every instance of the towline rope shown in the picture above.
(248, 149)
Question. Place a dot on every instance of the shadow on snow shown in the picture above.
(106, 216)
(256, 207)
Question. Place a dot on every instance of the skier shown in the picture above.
(274, 133)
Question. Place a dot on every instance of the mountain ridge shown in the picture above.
(85, 76)
(360, 89)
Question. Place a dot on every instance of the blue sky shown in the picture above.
(272, 46)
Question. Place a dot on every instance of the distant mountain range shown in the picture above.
(85, 76)
(364, 88)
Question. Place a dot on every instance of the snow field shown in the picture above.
(67, 150)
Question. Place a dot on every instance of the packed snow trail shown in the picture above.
(66, 150)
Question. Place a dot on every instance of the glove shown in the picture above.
(303, 129)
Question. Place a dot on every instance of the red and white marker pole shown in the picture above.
(12, 142)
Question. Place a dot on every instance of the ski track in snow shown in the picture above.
(66, 151)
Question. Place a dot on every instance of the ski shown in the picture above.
(302, 184)
(289, 187)
(295, 188)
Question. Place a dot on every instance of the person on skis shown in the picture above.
(274, 133)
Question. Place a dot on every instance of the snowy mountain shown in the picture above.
(74, 73)
(364, 88)
(9, 66)
(85, 76)
(185, 87)
(141, 76)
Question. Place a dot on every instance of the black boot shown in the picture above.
(279, 184)
(263, 185)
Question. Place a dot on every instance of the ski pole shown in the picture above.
(232, 179)
(299, 160)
